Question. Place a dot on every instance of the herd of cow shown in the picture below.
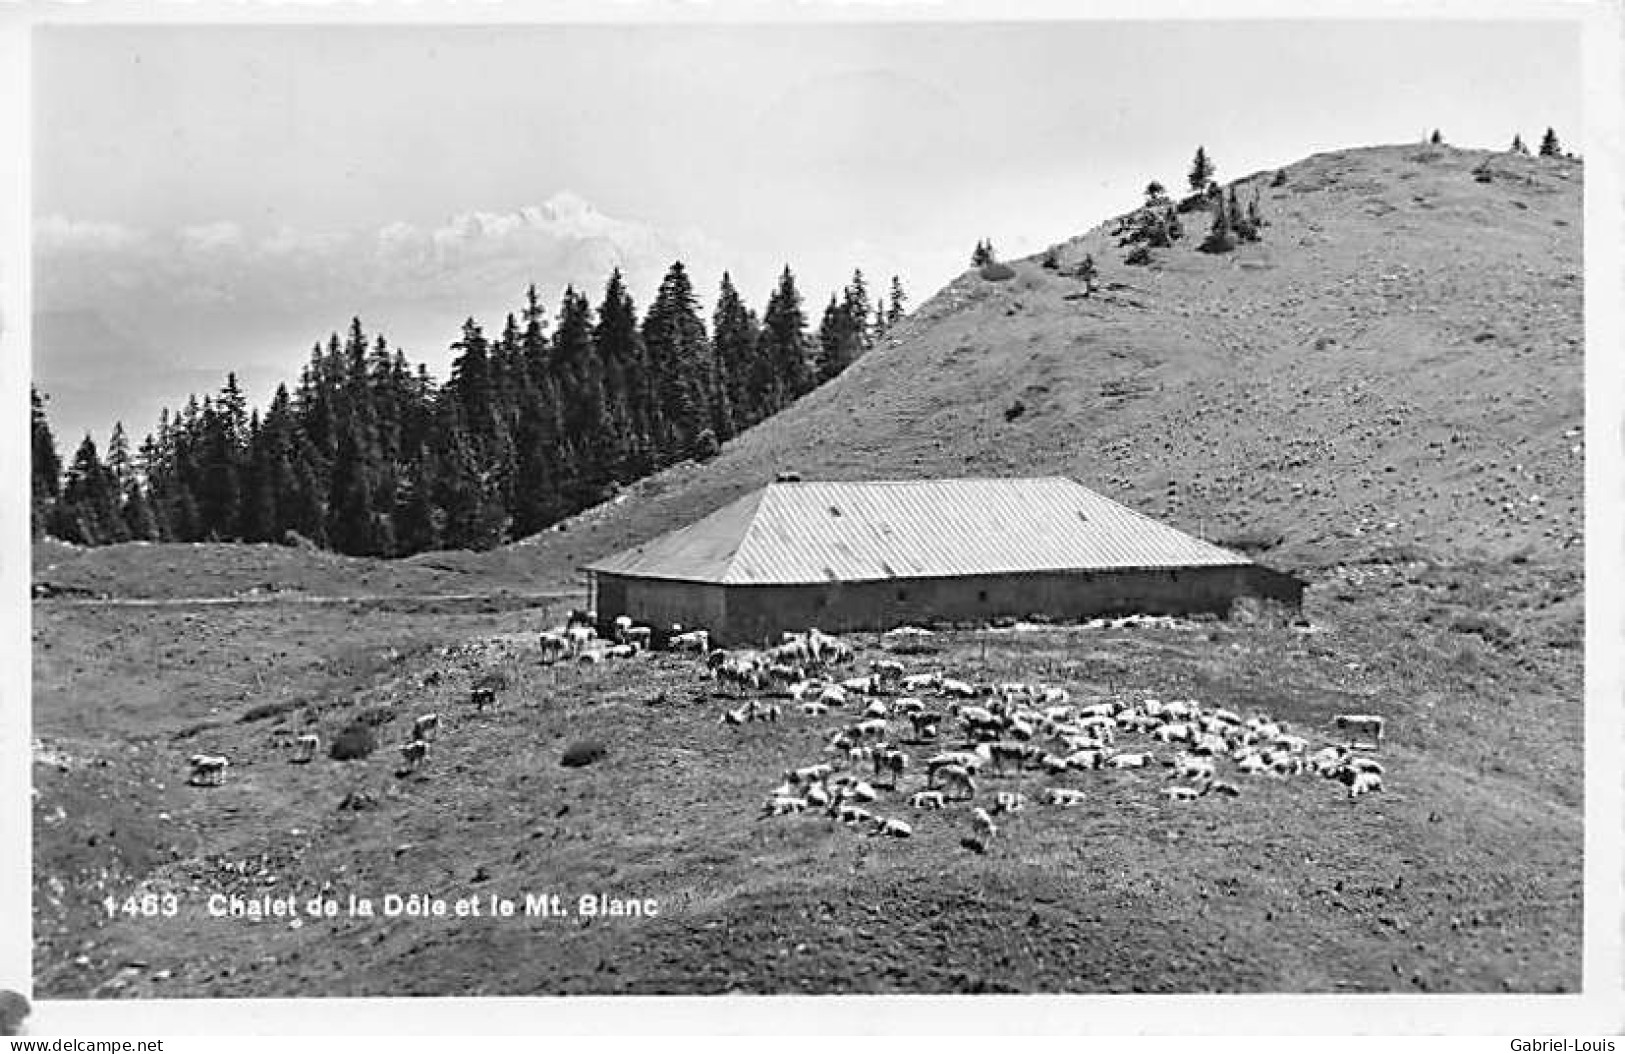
(973, 731)
(980, 731)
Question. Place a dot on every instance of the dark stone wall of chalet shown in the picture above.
(756, 615)
(1275, 585)
(659, 603)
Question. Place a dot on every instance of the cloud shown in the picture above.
(469, 260)
(565, 240)
(168, 311)
(210, 238)
(58, 235)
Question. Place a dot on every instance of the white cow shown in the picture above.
(919, 682)
(697, 641)
(892, 828)
(579, 638)
(1009, 801)
(1188, 767)
(1365, 783)
(783, 805)
(208, 770)
(832, 695)
(928, 799)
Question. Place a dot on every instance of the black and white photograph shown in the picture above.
(862, 503)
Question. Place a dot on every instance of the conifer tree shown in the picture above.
(536, 503)
(838, 340)
(784, 344)
(189, 521)
(306, 512)
(1517, 146)
(118, 457)
(897, 302)
(584, 413)
(368, 455)
(218, 491)
(133, 510)
(470, 385)
(507, 369)
(716, 387)
(46, 472)
(1202, 170)
(855, 302)
(459, 482)
(1436, 139)
(679, 355)
(734, 332)
(234, 413)
(1549, 146)
(420, 523)
(259, 514)
(630, 384)
(89, 512)
(533, 342)
(140, 521)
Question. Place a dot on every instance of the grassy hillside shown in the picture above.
(1461, 876)
(250, 573)
(1397, 363)
(1390, 384)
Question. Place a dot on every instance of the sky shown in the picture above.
(218, 198)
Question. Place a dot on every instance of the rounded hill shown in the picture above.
(1394, 366)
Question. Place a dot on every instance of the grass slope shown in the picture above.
(1461, 876)
(145, 571)
(1386, 382)
(1397, 363)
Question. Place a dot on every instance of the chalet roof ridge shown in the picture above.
(815, 531)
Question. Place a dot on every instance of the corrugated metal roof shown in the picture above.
(700, 552)
(790, 533)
